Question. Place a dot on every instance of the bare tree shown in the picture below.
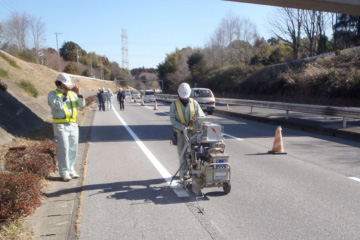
(218, 44)
(37, 27)
(287, 25)
(227, 42)
(17, 28)
(310, 29)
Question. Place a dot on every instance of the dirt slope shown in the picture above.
(24, 112)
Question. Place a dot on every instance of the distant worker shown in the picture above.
(101, 97)
(121, 99)
(109, 95)
(64, 102)
(97, 94)
(182, 116)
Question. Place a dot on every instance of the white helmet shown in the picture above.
(184, 90)
(65, 79)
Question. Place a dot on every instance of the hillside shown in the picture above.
(21, 112)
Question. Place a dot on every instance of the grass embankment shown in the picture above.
(332, 80)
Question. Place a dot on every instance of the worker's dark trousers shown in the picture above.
(122, 105)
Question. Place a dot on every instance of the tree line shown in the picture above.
(23, 36)
(235, 50)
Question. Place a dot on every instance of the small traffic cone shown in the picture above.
(155, 106)
(278, 147)
(142, 102)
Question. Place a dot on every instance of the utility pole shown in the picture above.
(57, 48)
(77, 55)
(125, 50)
(57, 43)
(91, 66)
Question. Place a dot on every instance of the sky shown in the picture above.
(154, 27)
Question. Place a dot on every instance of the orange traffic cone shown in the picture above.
(155, 106)
(142, 102)
(278, 147)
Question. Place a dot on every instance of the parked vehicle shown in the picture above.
(205, 98)
(127, 92)
(135, 94)
(149, 96)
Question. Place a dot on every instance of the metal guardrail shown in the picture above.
(344, 112)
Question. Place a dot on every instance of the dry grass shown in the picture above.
(17, 230)
(43, 78)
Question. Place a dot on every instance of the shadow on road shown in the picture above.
(151, 190)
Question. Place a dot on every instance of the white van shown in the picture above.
(205, 98)
(149, 96)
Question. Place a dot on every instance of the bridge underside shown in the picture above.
(337, 6)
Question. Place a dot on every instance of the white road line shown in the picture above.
(355, 179)
(230, 136)
(159, 167)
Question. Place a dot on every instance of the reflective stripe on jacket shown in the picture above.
(67, 118)
(181, 114)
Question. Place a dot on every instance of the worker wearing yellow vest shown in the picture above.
(64, 102)
(182, 116)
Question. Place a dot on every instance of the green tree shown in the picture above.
(197, 66)
(68, 51)
(72, 69)
(346, 31)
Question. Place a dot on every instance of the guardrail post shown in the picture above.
(287, 114)
(228, 108)
(344, 122)
(251, 108)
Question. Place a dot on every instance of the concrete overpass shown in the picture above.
(338, 6)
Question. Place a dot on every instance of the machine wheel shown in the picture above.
(227, 187)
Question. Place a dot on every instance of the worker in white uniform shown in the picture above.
(64, 103)
(182, 116)
(109, 95)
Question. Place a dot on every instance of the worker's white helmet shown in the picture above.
(65, 79)
(184, 90)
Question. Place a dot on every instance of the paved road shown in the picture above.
(312, 192)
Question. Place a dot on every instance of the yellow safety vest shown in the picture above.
(67, 118)
(181, 114)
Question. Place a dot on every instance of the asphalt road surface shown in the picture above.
(312, 192)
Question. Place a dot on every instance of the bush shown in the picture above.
(3, 73)
(3, 86)
(27, 86)
(90, 100)
(20, 195)
(27, 55)
(72, 69)
(38, 159)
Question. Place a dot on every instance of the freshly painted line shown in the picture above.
(230, 136)
(159, 167)
(355, 179)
